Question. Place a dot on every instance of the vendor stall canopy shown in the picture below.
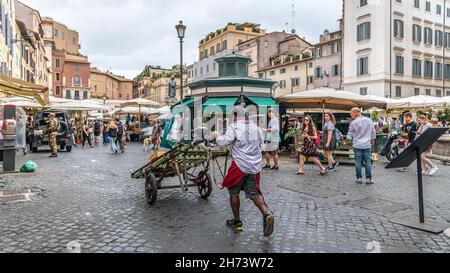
(19, 88)
(330, 98)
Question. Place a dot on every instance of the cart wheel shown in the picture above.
(205, 186)
(151, 189)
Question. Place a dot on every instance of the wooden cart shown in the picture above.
(190, 163)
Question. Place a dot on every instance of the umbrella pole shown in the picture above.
(323, 114)
(139, 123)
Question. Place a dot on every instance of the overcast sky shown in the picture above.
(125, 35)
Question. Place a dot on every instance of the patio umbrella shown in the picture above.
(139, 102)
(79, 106)
(137, 110)
(420, 102)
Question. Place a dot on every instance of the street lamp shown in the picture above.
(181, 31)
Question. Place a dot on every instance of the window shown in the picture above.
(364, 91)
(417, 67)
(211, 50)
(283, 84)
(55, 32)
(214, 66)
(74, 40)
(362, 3)
(428, 69)
(428, 36)
(439, 39)
(63, 35)
(438, 9)
(283, 71)
(417, 33)
(447, 40)
(447, 71)
(77, 81)
(86, 94)
(318, 52)
(296, 82)
(400, 65)
(272, 73)
(417, 4)
(448, 12)
(428, 6)
(438, 71)
(206, 53)
(57, 76)
(416, 91)
(310, 80)
(335, 48)
(363, 66)
(58, 63)
(201, 70)
(224, 45)
(77, 68)
(399, 29)
(77, 94)
(428, 92)
(363, 32)
(260, 75)
(218, 48)
(296, 68)
(68, 94)
(318, 72)
(310, 65)
(207, 68)
(447, 93)
(335, 70)
(58, 90)
(439, 93)
(398, 91)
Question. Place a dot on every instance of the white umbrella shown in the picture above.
(165, 110)
(419, 102)
(79, 106)
(330, 98)
(137, 110)
(24, 103)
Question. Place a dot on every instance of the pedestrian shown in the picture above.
(284, 131)
(97, 130)
(112, 135)
(52, 134)
(363, 135)
(272, 142)
(120, 135)
(428, 168)
(244, 174)
(105, 132)
(329, 141)
(87, 134)
(410, 128)
(156, 136)
(310, 150)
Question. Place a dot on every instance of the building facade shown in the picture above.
(328, 60)
(397, 48)
(221, 43)
(110, 86)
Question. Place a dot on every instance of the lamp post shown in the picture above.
(181, 31)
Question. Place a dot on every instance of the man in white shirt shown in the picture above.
(245, 139)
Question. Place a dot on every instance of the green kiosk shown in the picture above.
(217, 97)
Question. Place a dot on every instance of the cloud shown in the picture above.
(127, 35)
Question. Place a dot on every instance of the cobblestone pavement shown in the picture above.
(88, 198)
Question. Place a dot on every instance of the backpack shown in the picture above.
(120, 129)
(318, 140)
(97, 127)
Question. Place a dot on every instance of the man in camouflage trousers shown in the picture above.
(52, 134)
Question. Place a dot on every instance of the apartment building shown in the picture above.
(397, 48)
(221, 43)
(7, 21)
(292, 67)
(328, 60)
(110, 86)
(261, 49)
(29, 22)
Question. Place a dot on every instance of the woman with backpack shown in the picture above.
(310, 146)
(112, 135)
(97, 130)
(329, 141)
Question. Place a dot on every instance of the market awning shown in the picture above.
(19, 88)
(224, 104)
(180, 108)
(269, 102)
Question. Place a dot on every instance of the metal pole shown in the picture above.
(181, 69)
(419, 178)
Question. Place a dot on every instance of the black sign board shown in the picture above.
(414, 153)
